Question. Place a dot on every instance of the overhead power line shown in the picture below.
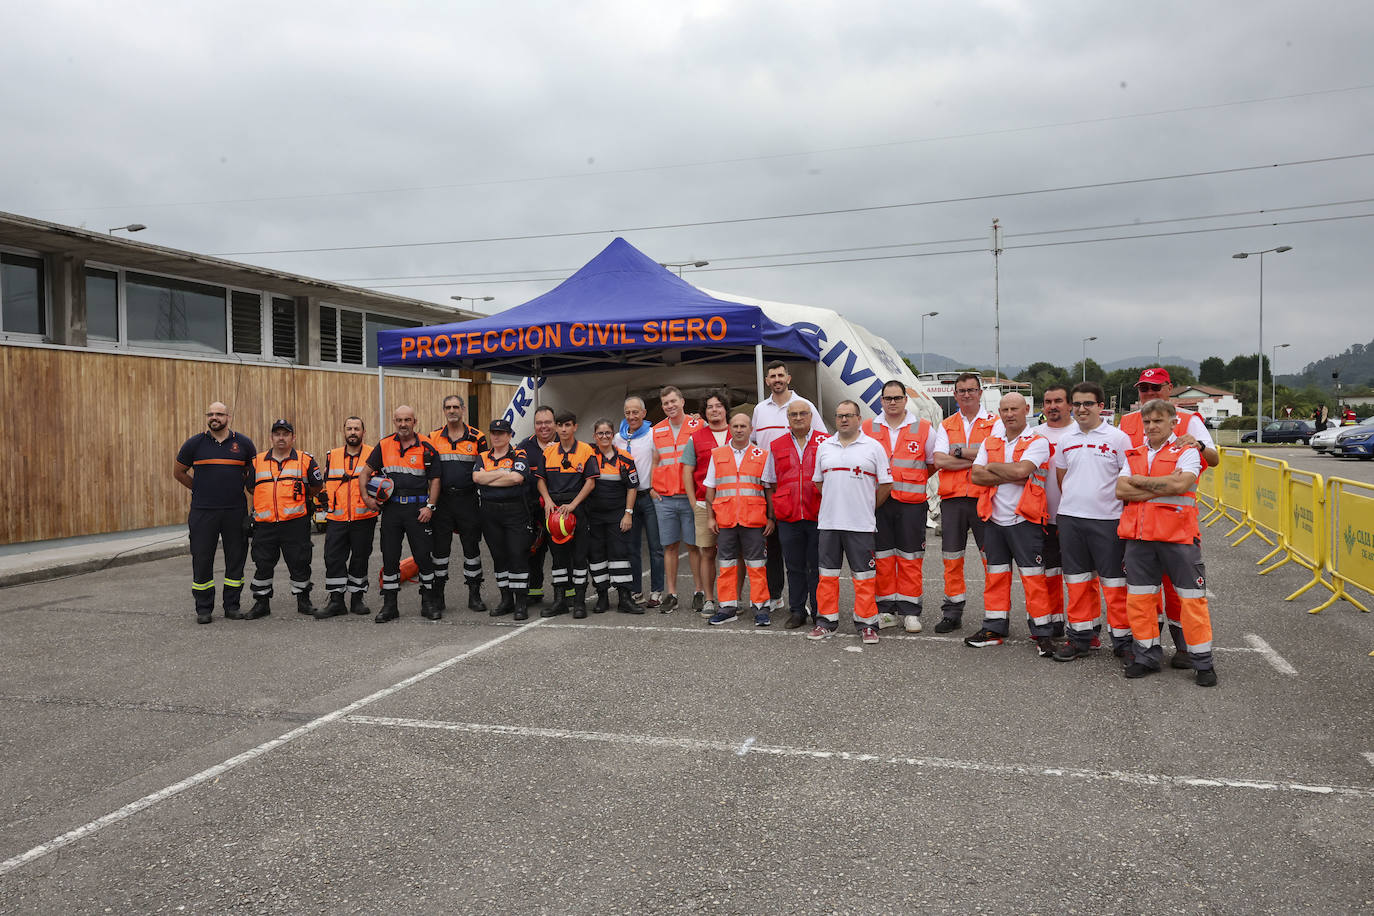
(1005, 195)
(735, 160)
(930, 254)
(564, 271)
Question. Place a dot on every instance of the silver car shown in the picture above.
(1324, 441)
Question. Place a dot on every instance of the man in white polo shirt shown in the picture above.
(1054, 403)
(770, 422)
(853, 477)
(1087, 462)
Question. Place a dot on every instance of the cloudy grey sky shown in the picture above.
(261, 127)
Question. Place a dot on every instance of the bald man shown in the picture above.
(217, 466)
(413, 466)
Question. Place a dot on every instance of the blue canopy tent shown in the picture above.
(621, 309)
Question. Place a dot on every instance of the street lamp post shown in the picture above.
(681, 264)
(1273, 379)
(1158, 343)
(923, 339)
(472, 298)
(132, 227)
(1259, 355)
(1085, 356)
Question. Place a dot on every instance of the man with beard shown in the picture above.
(349, 524)
(533, 446)
(215, 466)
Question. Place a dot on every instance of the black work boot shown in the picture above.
(603, 600)
(522, 607)
(356, 606)
(334, 608)
(436, 596)
(579, 601)
(303, 605)
(388, 611)
(428, 608)
(507, 603)
(560, 606)
(627, 603)
(475, 602)
(261, 608)
(534, 595)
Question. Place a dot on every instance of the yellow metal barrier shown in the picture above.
(1207, 493)
(1230, 489)
(1305, 534)
(1350, 550)
(1266, 507)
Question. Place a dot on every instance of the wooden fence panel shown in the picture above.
(91, 436)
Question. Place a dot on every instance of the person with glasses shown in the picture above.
(567, 475)
(533, 446)
(1192, 432)
(1087, 462)
(770, 422)
(854, 479)
(676, 520)
(1011, 470)
(610, 514)
(956, 445)
(1159, 525)
(738, 482)
(796, 506)
(458, 445)
(1054, 405)
(216, 466)
(412, 465)
(696, 464)
(636, 438)
(900, 539)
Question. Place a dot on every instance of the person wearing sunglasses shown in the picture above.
(900, 540)
(567, 476)
(1191, 430)
(1087, 462)
(956, 445)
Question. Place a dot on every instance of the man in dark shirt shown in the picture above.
(567, 476)
(458, 445)
(500, 476)
(215, 466)
(413, 467)
(533, 447)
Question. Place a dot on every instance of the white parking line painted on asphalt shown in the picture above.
(744, 748)
(1277, 661)
(934, 763)
(1369, 757)
(161, 795)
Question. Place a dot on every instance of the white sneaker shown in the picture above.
(709, 608)
(912, 623)
(886, 620)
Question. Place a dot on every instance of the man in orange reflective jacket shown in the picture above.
(349, 524)
(1158, 485)
(284, 485)
(737, 483)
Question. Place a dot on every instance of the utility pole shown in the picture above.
(996, 299)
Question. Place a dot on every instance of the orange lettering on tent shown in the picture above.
(406, 346)
(694, 326)
(422, 347)
(715, 327)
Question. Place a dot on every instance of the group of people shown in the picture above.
(1107, 512)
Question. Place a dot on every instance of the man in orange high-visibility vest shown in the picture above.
(737, 483)
(349, 524)
(1012, 471)
(285, 482)
(1159, 526)
(672, 503)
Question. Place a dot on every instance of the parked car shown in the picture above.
(1324, 440)
(1283, 431)
(1355, 442)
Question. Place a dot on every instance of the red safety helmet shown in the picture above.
(379, 488)
(562, 527)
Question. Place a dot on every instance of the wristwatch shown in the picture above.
(430, 506)
(629, 512)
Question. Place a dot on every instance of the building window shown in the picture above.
(23, 303)
(341, 336)
(329, 334)
(175, 314)
(102, 304)
(284, 328)
(245, 321)
(377, 323)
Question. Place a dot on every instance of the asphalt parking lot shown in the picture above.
(646, 764)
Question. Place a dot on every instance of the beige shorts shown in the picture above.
(702, 514)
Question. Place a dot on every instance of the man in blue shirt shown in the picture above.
(216, 466)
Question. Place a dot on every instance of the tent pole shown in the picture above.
(820, 410)
(758, 369)
(536, 384)
(381, 400)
